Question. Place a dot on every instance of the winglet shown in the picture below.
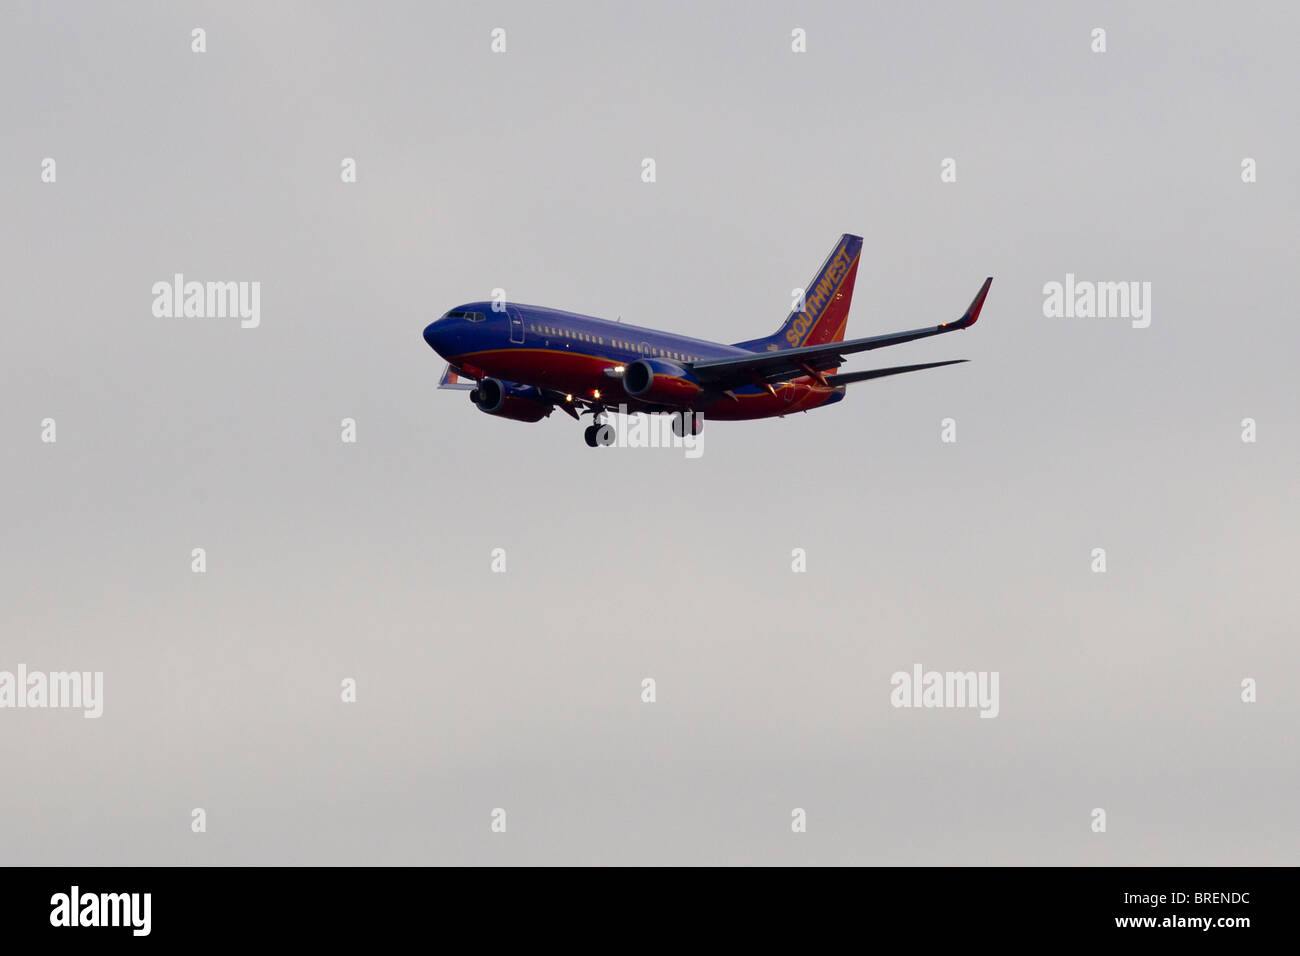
(973, 313)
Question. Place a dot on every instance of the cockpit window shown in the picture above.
(461, 314)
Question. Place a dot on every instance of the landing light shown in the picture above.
(620, 369)
(595, 393)
(568, 398)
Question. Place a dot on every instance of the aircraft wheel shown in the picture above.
(590, 436)
(605, 434)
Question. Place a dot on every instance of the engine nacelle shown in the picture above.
(660, 382)
(521, 403)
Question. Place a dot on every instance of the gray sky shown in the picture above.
(522, 690)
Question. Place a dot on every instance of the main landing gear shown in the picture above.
(685, 423)
(601, 432)
(598, 433)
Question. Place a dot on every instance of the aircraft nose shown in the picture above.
(436, 336)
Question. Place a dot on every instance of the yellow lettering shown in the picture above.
(821, 295)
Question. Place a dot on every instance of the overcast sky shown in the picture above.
(372, 560)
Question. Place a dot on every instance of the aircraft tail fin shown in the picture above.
(826, 301)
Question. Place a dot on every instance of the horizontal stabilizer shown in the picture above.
(850, 377)
(724, 373)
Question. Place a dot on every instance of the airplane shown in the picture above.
(526, 361)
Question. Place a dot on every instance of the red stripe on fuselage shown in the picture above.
(576, 374)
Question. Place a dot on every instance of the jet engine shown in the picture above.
(521, 403)
(660, 382)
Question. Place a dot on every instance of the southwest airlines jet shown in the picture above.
(528, 361)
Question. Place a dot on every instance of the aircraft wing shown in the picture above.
(451, 379)
(569, 404)
(762, 367)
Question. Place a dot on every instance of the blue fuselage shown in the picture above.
(577, 354)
